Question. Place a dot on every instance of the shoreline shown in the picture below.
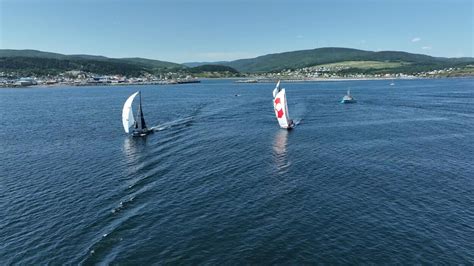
(104, 84)
(266, 80)
(235, 80)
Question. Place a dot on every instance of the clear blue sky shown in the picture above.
(212, 30)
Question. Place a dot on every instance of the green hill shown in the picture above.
(33, 62)
(30, 53)
(213, 71)
(31, 66)
(152, 63)
(213, 68)
(346, 60)
(320, 56)
(364, 64)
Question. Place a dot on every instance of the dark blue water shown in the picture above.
(387, 180)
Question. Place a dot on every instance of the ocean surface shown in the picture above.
(389, 180)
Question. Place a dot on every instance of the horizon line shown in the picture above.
(244, 58)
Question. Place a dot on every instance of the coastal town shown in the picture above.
(80, 78)
(326, 73)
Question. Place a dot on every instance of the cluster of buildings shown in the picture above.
(79, 78)
(440, 72)
(317, 73)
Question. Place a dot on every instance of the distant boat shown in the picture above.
(348, 98)
(391, 84)
(130, 121)
(281, 108)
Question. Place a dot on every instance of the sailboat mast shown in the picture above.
(138, 119)
(141, 120)
(140, 105)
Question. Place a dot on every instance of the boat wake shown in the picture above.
(109, 237)
(182, 122)
(297, 121)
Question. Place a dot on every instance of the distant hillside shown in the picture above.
(38, 62)
(213, 68)
(320, 56)
(32, 66)
(30, 53)
(213, 71)
(152, 63)
(32, 62)
(196, 64)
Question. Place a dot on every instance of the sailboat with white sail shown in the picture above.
(136, 124)
(281, 107)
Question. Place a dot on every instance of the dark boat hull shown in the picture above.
(348, 101)
(290, 126)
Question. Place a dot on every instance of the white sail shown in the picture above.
(281, 109)
(127, 114)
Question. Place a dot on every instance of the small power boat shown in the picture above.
(348, 98)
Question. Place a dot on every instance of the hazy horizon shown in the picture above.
(186, 31)
(186, 62)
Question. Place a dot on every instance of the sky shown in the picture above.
(214, 30)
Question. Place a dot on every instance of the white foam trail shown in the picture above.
(173, 123)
